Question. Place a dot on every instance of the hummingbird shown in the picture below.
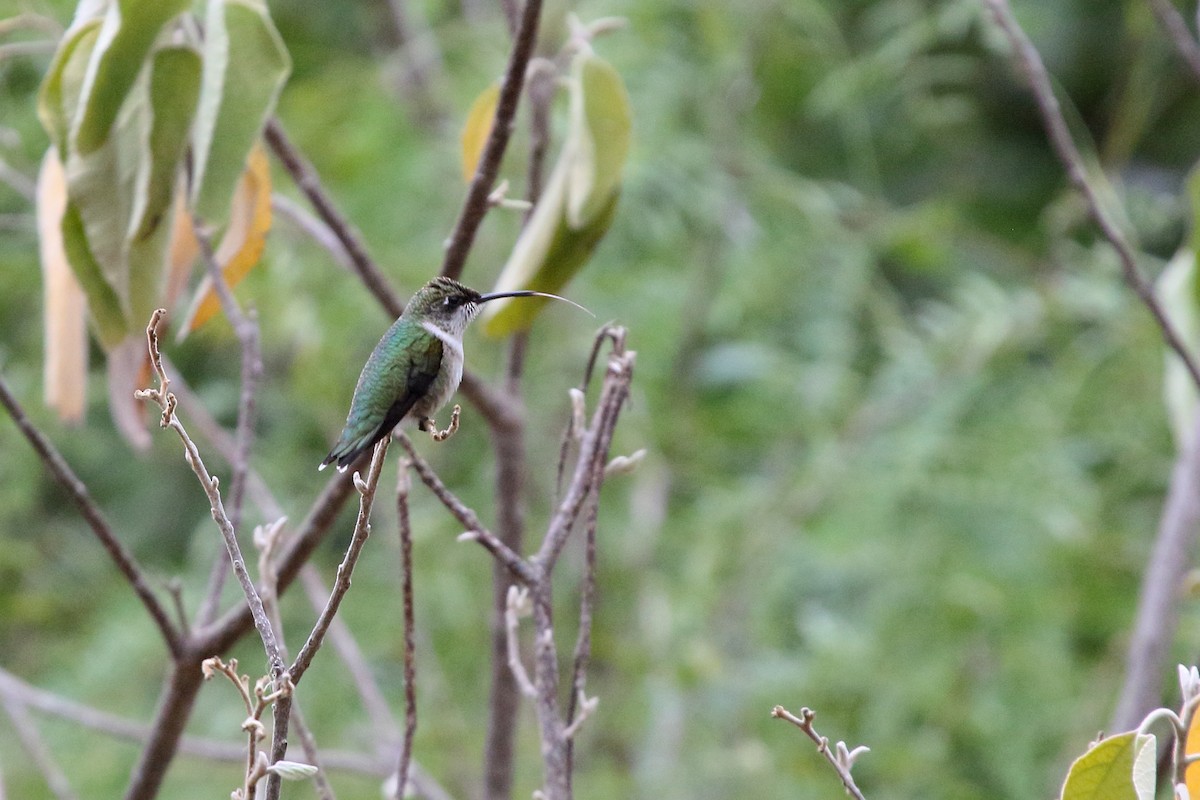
(415, 368)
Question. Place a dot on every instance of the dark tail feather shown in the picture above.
(347, 454)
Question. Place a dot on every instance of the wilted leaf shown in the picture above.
(242, 246)
(598, 142)
(1118, 768)
(128, 32)
(245, 66)
(476, 129)
(65, 306)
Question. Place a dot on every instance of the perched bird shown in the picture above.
(415, 368)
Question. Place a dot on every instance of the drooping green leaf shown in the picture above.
(245, 66)
(547, 254)
(1120, 767)
(107, 183)
(107, 317)
(599, 137)
(174, 88)
(128, 32)
(61, 87)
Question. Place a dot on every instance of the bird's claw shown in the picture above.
(430, 426)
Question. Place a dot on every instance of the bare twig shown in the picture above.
(1176, 28)
(166, 400)
(475, 206)
(78, 492)
(306, 180)
(134, 731)
(362, 529)
(518, 606)
(1149, 648)
(841, 762)
(35, 747)
(583, 640)
(1026, 55)
(174, 706)
(504, 696)
(475, 530)
(245, 326)
(403, 486)
(316, 229)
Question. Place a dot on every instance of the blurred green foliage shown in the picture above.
(906, 439)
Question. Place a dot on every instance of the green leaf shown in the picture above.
(107, 316)
(174, 88)
(548, 254)
(598, 140)
(1120, 767)
(245, 66)
(107, 183)
(128, 33)
(59, 93)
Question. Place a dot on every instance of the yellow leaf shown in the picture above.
(181, 251)
(476, 129)
(65, 304)
(244, 239)
(1193, 746)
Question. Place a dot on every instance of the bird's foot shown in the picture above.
(429, 426)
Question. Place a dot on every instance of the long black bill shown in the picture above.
(527, 293)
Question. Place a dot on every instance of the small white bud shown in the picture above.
(292, 770)
(624, 465)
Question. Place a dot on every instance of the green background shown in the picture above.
(906, 440)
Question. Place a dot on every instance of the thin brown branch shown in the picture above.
(508, 443)
(82, 499)
(475, 529)
(221, 634)
(166, 400)
(1148, 651)
(287, 208)
(1176, 28)
(174, 707)
(403, 486)
(593, 453)
(341, 585)
(475, 206)
(245, 326)
(135, 731)
(306, 179)
(841, 761)
(583, 640)
(1027, 57)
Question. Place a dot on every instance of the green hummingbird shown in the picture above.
(415, 368)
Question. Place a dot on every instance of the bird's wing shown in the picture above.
(423, 366)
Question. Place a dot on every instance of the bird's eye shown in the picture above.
(448, 302)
